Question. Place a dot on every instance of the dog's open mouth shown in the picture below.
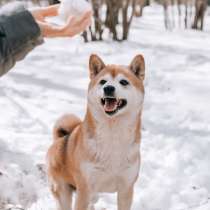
(111, 105)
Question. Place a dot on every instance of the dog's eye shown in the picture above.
(102, 82)
(124, 82)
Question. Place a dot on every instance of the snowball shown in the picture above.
(73, 8)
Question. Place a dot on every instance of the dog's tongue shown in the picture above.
(110, 105)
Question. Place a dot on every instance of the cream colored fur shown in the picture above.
(102, 152)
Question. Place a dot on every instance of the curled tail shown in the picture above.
(65, 125)
(61, 132)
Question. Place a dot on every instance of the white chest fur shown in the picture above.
(116, 157)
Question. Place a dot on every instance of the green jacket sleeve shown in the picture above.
(19, 34)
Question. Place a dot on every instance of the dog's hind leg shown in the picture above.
(63, 194)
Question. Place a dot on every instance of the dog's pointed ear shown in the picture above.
(95, 65)
(137, 66)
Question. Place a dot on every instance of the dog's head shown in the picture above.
(116, 90)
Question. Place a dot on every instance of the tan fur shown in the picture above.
(99, 154)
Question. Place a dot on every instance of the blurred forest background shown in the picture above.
(117, 15)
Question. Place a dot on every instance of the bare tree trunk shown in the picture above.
(85, 36)
(140, 4)
(173, 13)
(113, 8)
(200, 9)
(179, 12)
(96, 31)
(111, 21)
(166, 15)
(51, 2)
(186, 13)
(126, 19)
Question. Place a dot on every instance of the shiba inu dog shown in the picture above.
(101, 153)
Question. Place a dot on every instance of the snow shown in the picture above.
(53, 79)
(73, 7)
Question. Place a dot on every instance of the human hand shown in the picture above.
(74, 25)
(40, 14)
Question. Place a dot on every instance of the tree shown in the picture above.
(118, 13)
(200, 9)
(51, 2)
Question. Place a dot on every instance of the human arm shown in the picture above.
(22, 30)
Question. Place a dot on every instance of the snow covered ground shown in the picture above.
(52, 80)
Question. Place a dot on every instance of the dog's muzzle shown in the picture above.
(112, 105)
(109, 91)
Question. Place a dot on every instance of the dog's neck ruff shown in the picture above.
(122, 128)
(113, 145)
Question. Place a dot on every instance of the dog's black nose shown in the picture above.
(109, 90)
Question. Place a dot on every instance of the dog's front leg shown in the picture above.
(82, 199)
(125, 198)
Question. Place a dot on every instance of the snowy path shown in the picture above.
(175, 172)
